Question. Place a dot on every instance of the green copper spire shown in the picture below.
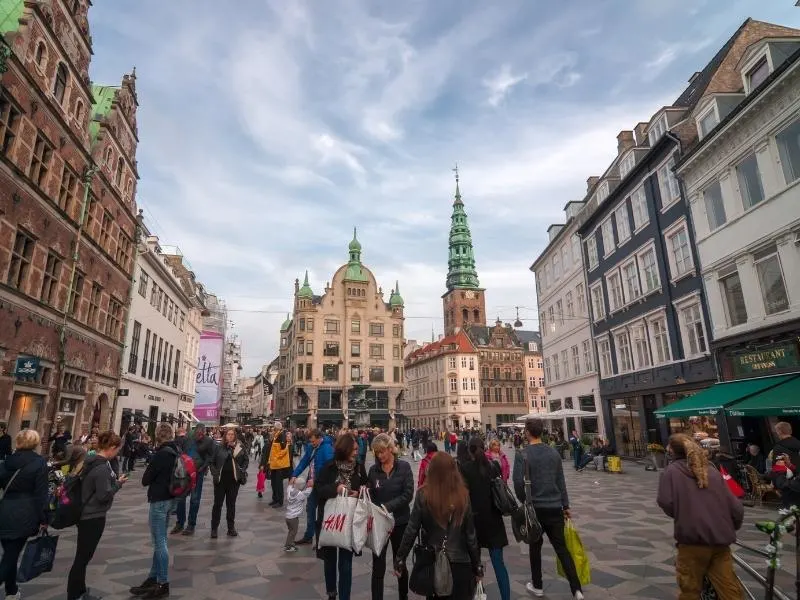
(286, 324)
(461, 273)
(355, 272)
(396, 300)
(305, 291)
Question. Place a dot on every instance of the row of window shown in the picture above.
(157, 359)
(468, 384)
(330, 372)
(504, 356)
(570, 363)
(571, 308)
(496, 373)
(565, 258)
(331, 349)
(507, 395)
(160, 300)
(451, 362)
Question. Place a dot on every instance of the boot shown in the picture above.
(188, 531)
(214, 534)
(161, 590)
(232, 532)
(144, 588)
(177, 529)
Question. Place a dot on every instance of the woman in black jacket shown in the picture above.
(229, 472)
(22, 509)
(441, 509)
(391, 485)
(489, 524)
(343, 473)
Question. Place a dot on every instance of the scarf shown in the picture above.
(344, 473)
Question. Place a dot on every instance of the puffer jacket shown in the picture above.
(22, 509)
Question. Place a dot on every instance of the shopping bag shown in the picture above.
(479, 593)
(362, 517)
(732, 484)
(337, 522)
(380, 526)
(37, 557)
(579, 557)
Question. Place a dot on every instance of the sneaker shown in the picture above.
(188, 531)
(145, 587)
(260, 495)
(273, 503)
(213, 534)
(278, 505)
(578, 595)
(232, 532)
(290, 549)
(303, 542)
(17, 596)
(88, 596)
(538, 592)
(161, 590)
(177, 529)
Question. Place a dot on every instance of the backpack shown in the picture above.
(69, 501)
(184, 475)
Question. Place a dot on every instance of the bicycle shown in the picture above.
(788, 522)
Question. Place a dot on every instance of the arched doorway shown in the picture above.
(100, 413)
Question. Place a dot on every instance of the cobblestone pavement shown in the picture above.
(626, 535)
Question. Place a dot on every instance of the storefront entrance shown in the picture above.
(25, 412)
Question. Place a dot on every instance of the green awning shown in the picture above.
(780, 400)
(720, 396)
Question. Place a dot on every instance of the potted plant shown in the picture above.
(657, 454)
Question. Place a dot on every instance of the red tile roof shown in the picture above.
(443, 346)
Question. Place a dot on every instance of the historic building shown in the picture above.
(341, 353)
(150, 389)
(264, 390)
(67, 220)
(534, 370)
(231, 374)
(443, 388)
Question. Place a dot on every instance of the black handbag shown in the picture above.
(421, 578)
(502, 498)
(524, 522)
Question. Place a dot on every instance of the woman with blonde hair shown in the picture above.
(706, 514)
(442, 510)
(391, 485)
(23, 479)
(495, 453)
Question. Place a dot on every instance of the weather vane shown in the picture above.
(455, 170)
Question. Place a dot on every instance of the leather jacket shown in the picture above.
(462, 543)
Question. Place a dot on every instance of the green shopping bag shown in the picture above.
(579, 557)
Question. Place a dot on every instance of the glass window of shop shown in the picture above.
(702, 428)
(625, 417)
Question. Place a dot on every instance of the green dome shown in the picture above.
(305, 291)
(396, 300)
(356, 272)
(286, 324)
(355, 245)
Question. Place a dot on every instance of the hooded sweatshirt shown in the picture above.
(98, 488)
(703, 517)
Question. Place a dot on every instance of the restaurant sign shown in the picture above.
(767, 360)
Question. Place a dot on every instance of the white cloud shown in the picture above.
(501, 83)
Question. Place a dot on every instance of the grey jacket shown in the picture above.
(546, 474)
(99, 487)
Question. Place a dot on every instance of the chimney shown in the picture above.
(625, 141)
(591, 182)
(639, 132)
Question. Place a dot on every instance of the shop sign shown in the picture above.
(27, 366)
(764, 361)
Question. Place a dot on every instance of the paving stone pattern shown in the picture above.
(628, 539)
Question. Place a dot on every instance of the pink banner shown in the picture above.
(208, 391)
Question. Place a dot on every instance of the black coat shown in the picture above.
(239, 458)
(158, 474)
(489, 525)
(5, 446)
(22, 509)
(325, 485)
(394, 491)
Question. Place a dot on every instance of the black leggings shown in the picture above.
(379, 566)
(8, 565)
(224, 492)
(89, 533)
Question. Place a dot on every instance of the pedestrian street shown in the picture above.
(628, 539)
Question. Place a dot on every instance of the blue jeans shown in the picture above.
(500, 573)
(194, 504)
(159, 522)
(345, 568)
(311, 516)
(576, 457)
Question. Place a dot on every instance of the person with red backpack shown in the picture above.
(430, 450)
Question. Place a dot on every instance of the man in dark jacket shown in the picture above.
(787, 444)
(318, 452)
(5, 443)
(201, 448)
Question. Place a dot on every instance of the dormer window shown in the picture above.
(657, 129)
(707, 121)
(602, 192)
(627, 164)
(757, 74)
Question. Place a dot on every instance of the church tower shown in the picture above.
(463, 302)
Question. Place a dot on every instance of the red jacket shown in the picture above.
(423, 468)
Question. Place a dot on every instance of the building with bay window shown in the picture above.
(341, 353)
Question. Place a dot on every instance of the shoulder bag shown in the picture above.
(442, 573)
(420, 580)
(502, 498)
(524, 523)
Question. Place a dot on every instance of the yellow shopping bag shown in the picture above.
(579, 557)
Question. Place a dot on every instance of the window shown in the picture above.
(770, 278)
(750, 186)
(570, 305)
(608, 237)
(581, 299)
(576, 249)
(591, 251)
(565, 261)
(397, 372)
(376, 350)
(376, 374)
(94, 306)
(41, 55)
(50, 278)
(396, 331)
(9, 124)
(576, 361)
(587, 356)
(551, 318)
(120, 168)
(565, 363)
(355, 373)
(451, 362)
(309, 347)
(548, 378)
(473, 384)
(152, 357)
(376, 329)
(114, 318)
(660, 343)
(624, 358)
(60, 87)
(604, 352)
(627, 164)
(789, 148)
(331, 326)
(309, 371)
(330, 349)
(355, 326)
(556, 368)
(615, 298)
(471, 363)
(623, 226)
(631, 278)
(668, 184)
(302, 324)
(757, 74)
(557, 266)
(40, 161)
(177, 367)
(641, 347)
(182, 322)
(330, 372)
(124, 249)
(105, 226)
(680, 254)
(560, 312)
(715, 208)
(464, 384)
(75, 297)
(395, 351)
(355, 349)
(692, 322)
(133, 358)
(733, 298)
(598, 305)
(498, 394)
(144, 281)
(657, 129)
(66, 193)
(707, 122)
(649, 269)
(463, 362)
(144, 355)
(301, 347)
(602, 192)
(639, 208)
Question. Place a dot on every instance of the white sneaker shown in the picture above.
(17, 596)
(579, 595)
(535, 591)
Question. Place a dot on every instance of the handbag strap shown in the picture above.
(10, 481)
(526, 477)
(446, 533)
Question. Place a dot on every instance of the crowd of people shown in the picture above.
(451, 506)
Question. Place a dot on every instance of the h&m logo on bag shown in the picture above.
(334, 523)
(369, 523)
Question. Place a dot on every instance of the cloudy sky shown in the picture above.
(268, 131)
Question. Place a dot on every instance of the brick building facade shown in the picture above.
(67, 221)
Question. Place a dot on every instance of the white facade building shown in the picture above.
(155, 345)
(570, 373)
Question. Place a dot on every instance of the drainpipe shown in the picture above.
(88, 176)
(136, 238)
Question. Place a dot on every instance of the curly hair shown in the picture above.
(682, 446)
